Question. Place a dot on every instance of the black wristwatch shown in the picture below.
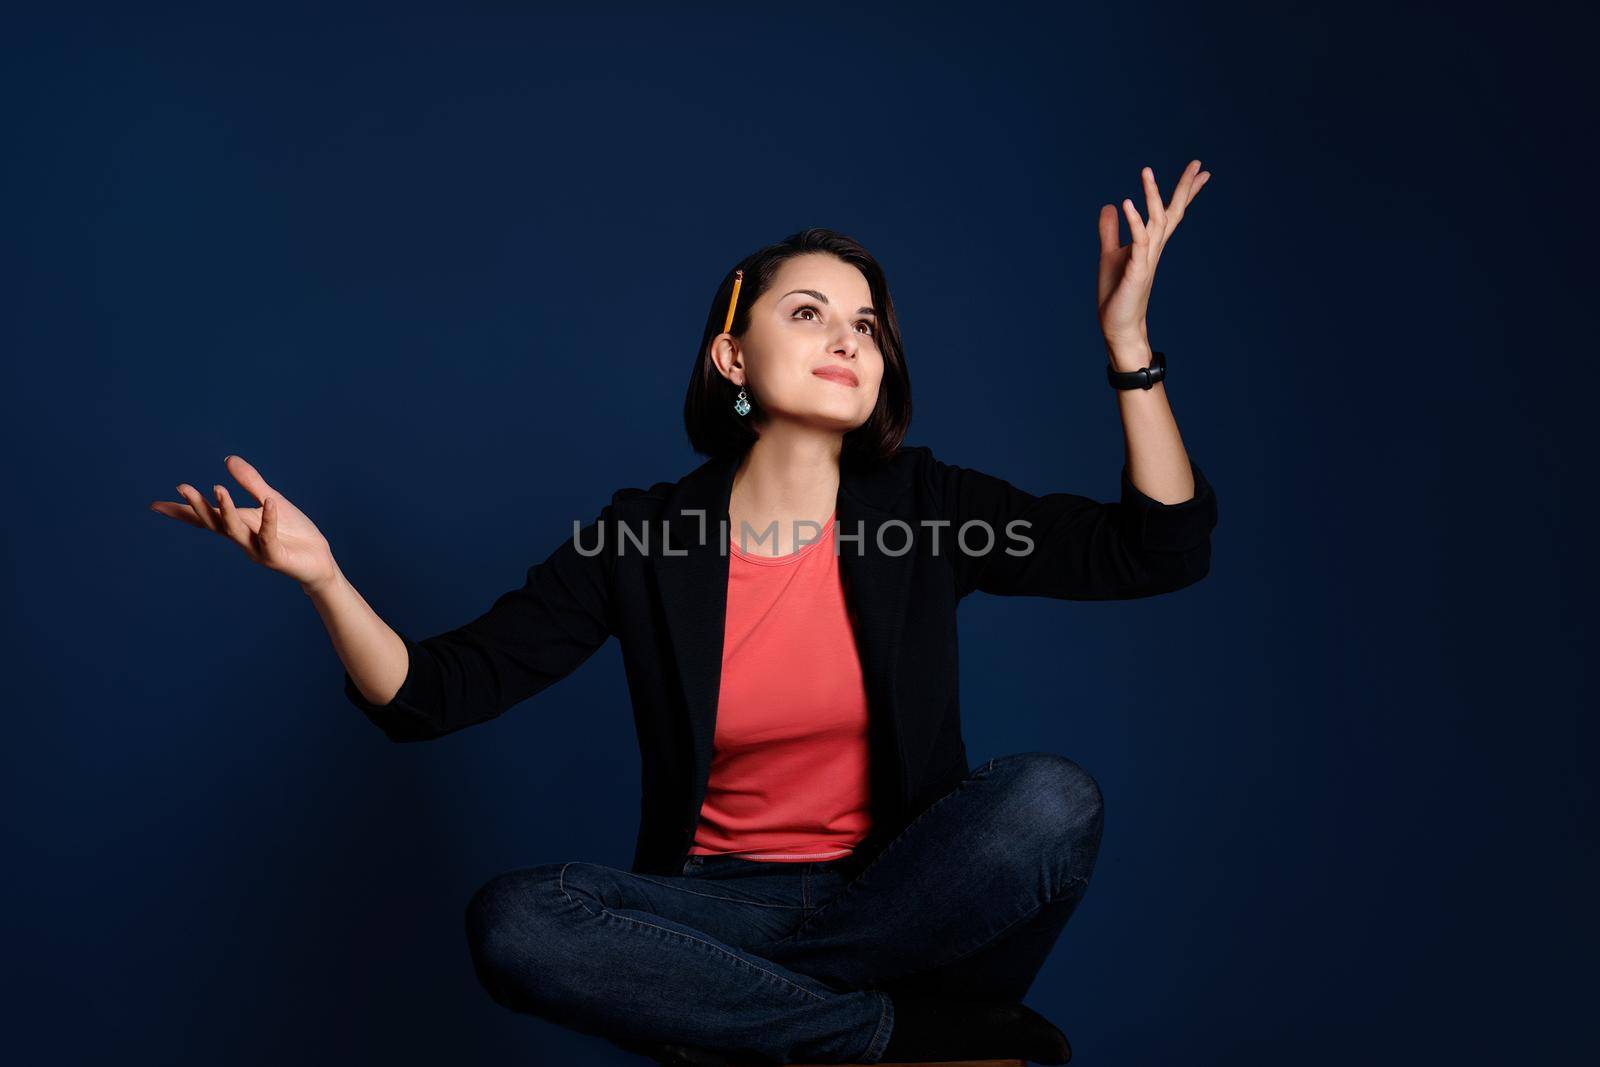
(1143, 378)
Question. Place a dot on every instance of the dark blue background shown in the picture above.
(440, 277)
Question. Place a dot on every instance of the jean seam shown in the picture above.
(561, 881)
(880, 1036)
(608, 913)
(713, 896)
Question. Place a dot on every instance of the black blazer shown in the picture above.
(664, 600)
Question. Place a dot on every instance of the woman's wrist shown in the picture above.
(1129, 354)
(320, 588)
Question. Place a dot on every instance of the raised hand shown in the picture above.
(1127, 271)
(276, 535)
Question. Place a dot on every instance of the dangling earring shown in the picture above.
(742, 405)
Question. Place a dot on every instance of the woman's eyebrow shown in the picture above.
(819, 296)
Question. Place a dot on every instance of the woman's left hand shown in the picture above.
(1127, 271)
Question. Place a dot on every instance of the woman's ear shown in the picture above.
(726, 357)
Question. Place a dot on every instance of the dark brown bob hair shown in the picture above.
(715, 429)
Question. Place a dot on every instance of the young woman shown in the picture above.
(819, 873)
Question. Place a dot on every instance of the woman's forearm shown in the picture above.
(1158, 464)
(373, 654)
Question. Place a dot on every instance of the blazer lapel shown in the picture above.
(691, 567)
(877, 584)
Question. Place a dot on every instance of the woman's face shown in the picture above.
(811, 350)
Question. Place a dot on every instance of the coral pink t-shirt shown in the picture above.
(789, 768)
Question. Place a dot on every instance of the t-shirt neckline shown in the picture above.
(792, 557)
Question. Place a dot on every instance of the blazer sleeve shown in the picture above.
(1081, 548)
(528, 639)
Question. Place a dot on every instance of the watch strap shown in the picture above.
(1143, 378)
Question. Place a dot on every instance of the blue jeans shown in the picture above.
(797, 961)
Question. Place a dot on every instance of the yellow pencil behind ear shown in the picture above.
(733, 301)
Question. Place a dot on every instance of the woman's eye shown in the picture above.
(870, 326)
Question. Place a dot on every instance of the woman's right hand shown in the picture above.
(276, 535)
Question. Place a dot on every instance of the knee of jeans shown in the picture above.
(1058, 798)
(504, 919)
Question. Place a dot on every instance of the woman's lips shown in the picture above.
(837, 374)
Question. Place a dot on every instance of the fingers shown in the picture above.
(224, 519)
(174, 510)
(1193, 178)
(1152, 203)
(269, 525)
(1141, 239)
(247, 476)
(233, 524)
(1162, 219)
(1180, 195)
(201, 510)
(1110, 234)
